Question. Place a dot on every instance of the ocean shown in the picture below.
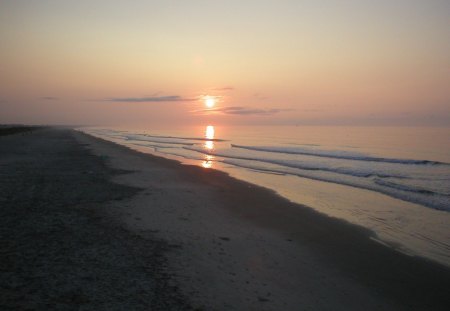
(394, 181)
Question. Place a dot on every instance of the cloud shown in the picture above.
(226, 88)
(238, 110)
(171, 98)
(49, 98)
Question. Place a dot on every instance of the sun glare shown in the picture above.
(210, 101)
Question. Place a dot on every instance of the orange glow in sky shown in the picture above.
(225, 62)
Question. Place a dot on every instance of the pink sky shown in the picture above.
(264, 62)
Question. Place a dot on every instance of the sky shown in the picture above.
(318, 62)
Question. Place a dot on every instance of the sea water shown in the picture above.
(392, 180)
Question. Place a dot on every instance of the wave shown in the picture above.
(307, 165)
(425, 198)
(127, 135)
(187, 138)
(336, 154)
(418, 181)
(154, 146)
(402, 187)
(441, 187)
(374, 177)
(155, 140)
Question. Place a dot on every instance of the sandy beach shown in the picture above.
(90, 225)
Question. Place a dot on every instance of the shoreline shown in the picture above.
(342, 247)
(141, 230)
(409, 227)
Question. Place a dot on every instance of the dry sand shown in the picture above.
(58, 248)
(165, 236)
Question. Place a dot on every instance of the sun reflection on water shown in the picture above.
(208, 162)
(209, 132)
(209, 146)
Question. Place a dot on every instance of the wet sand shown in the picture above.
(224, 244)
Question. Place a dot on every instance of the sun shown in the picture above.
(209, 101)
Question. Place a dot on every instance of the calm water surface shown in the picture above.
(392, 180)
